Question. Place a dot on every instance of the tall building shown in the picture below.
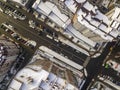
(8, 54)
(84, 22)
(46, 72)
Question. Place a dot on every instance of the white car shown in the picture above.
(49, 36)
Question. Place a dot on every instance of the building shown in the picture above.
(25, 4)
(20, 2)
(98, 85)
(43, 73)
(80, 19)
(8, 54)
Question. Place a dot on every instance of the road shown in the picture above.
(95, 65)
(22, 27)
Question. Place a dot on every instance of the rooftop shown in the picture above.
(44, 74)
(21, 2)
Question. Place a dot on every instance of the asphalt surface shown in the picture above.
(22, 27)
(95, 65)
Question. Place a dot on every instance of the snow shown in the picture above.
(45, 86)
(33, 77)
(117, 12)
(88, 6)
(57, 12)
(22, 2)
(51, 77)
(37, 77)
(95, 23)
(70, 4)
(60, 81)
(115, 24)
(56, 19)
(75, 46)
(80, 36)
(60, 57)
(80, 1)
(69, 87)
(16, 85)
(102, 17)
(80, 13)
(49, 9)
(45, 7)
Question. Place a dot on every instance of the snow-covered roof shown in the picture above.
(17, 85)
(71, 5)
(30, 79)
(88, 6)
(60, 81)
(21, 2)
(80, 1)
(61, 58)
(97, 22)
(80, 36)
(52, 77)
(51, 10)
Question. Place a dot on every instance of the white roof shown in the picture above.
(80, 36)
(46, 7)
(27, 73)
(56, 19)
(45, 86)
(22, 2)
(16, 85)
(71, 5)
(57, 12)
(117, 12)
(100, 28)
(102, 17)
(69, 87)
(60, 57)
(61, 82)
(52, 77)
(88, 6)
(80, 1)
(51, 10)
(33, 76)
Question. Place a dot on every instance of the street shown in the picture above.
(22, 27)
(95, 65)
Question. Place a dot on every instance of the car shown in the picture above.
(23, 41)
(40, 33)
(14, 34)
(48, 36)
(1, 10)
(56, 40)
(11, 32)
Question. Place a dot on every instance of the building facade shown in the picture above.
(8, 54)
